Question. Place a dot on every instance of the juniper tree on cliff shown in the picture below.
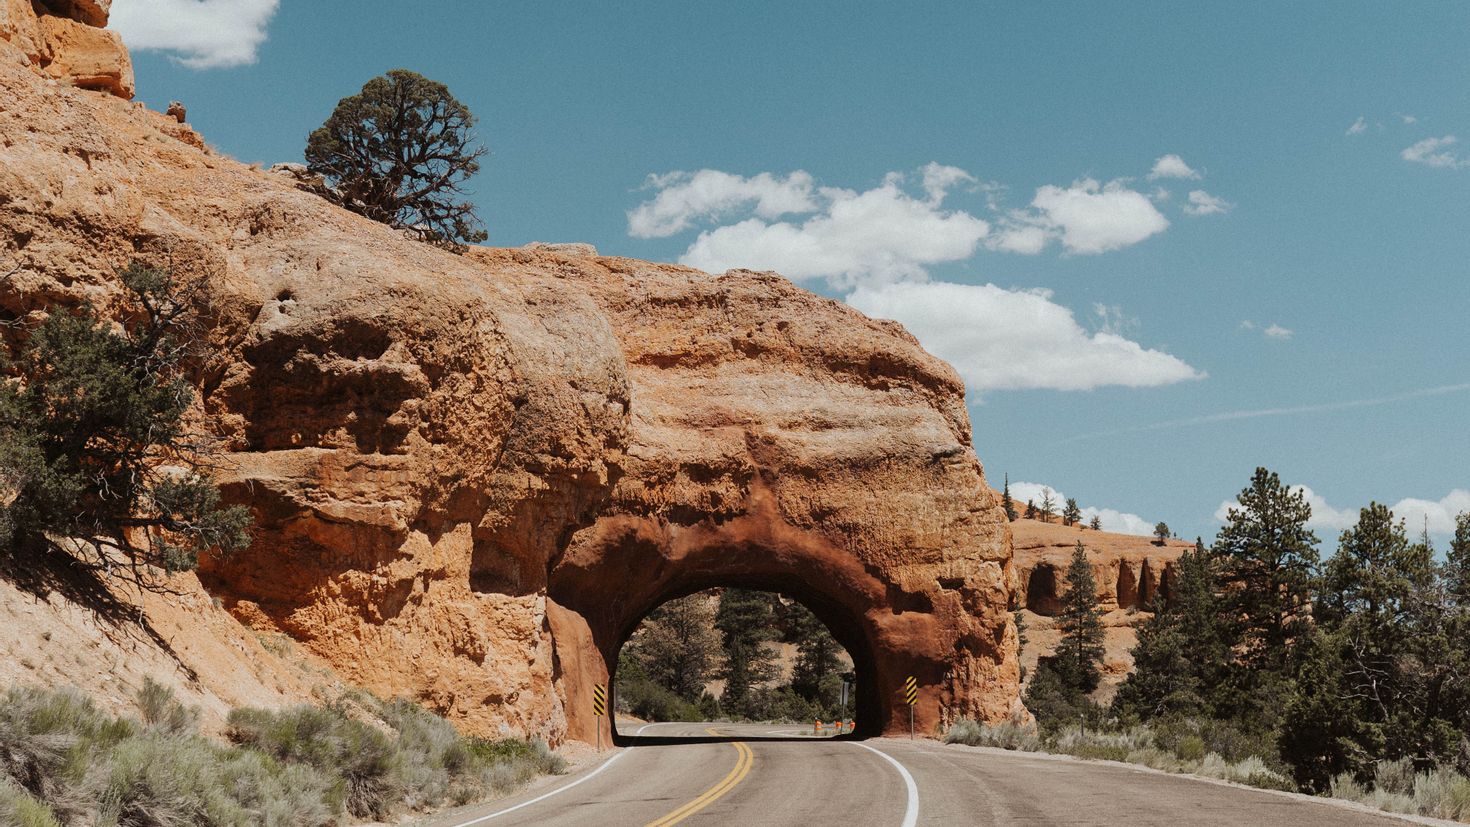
(96, 465)
(399, 152)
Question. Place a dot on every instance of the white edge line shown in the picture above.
(561, 789)
(910, 813)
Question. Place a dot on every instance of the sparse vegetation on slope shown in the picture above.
(64, 761)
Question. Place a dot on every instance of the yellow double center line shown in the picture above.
(708, 797)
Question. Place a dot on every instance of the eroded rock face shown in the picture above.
(1131, 572)
(471, 475)
(64, 39)
(784, 441)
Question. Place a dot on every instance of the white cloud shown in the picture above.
(1276, 331)
(1087, 217)
(1329, 521)
(1202, 203)
(1358, 126)
(200, 34)
(882, 235)
(1010, 339)
(685, 197)
(1408, 119)
(1111, 519)
(1435, 152)
(1172, 166)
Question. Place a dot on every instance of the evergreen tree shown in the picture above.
(746, 622)
(400, 152)
(1267, 559)
(1096, 523)
(1030, 510)
(1006, 502)
(677, 645)
(97, 468)
(1182, 660)
(1457, 562)
(816, 675)
(1048, 505)
(1071, 514)
(1080, 651)
(1161, 533)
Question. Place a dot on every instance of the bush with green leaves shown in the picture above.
(64, 761)
(96, 464)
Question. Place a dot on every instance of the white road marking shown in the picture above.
(911, 812)
(558, 790)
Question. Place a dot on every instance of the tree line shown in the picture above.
(1329, 666)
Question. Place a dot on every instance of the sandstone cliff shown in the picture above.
(1131, 573)
(471, 475)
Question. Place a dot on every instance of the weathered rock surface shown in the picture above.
(65, 40)
(1131, 573)
(472, 475)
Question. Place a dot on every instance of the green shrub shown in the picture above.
(162, 711)
(21, 809)
(1005, 735)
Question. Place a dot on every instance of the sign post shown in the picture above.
(599, 709)
(911, 696)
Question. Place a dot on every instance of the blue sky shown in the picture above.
(1125, 223)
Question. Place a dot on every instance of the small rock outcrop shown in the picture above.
(65, 40)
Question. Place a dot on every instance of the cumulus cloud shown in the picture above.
(686, 197)
(1202, 203)
(1087, 217)
(1437, 515)
(881, 235)
(200, 34)
(1435, 152)
(1358, 126)
(1002, 339)
(1172, 166)
(1111, 519)
(1276, 331)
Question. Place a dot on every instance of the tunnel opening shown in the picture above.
(1041, 590)
(733, 654)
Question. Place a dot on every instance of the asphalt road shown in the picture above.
(761, 775)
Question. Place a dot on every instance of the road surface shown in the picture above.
(751, 774)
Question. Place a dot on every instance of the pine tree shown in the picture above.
(1457, 562)
(1267, 559)
(1096, 523)
(1048, 505)
(1182, 658)
(1161, 533)
(677, 645)
(1071, 514)
(1030, 510)
(746, 622)
(1080, 651)
(816, 675)
(1006, 502)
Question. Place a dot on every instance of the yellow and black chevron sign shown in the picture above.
(911, 690)
(599, 699)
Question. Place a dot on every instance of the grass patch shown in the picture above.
(1397, 788)
(63, 761)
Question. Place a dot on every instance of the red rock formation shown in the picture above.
(432, 443)
(65, 40)
(1131, 572)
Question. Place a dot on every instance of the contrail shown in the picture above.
(1230, 416)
